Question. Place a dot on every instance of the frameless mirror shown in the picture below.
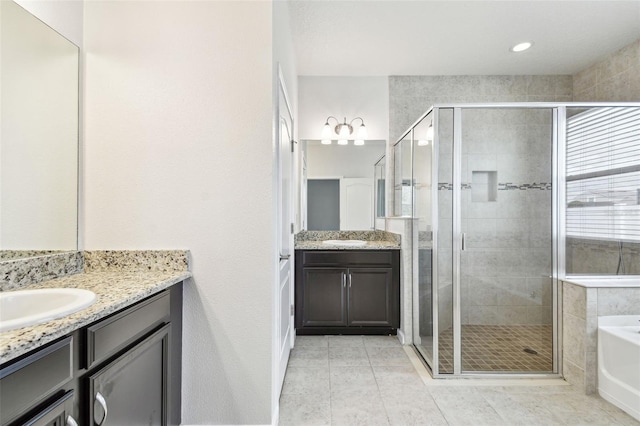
(39, 137)
(380, 187)
(403, 179)
(340, 187)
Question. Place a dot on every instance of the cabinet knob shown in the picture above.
(71, 421)
(103, 403)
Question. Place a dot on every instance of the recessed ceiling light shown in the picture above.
(521, 47)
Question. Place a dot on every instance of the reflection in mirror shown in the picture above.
(340, 185)
(403, 188)
(380, 187)
(39, 136)
(423, 136)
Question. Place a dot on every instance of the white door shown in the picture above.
(356, 204)
(285, 329)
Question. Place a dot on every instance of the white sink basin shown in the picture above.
(22, 308)
(356, 243)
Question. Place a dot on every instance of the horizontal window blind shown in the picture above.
(603, 174)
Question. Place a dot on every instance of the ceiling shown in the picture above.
(423, 37)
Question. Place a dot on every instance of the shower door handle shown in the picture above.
(464, 237)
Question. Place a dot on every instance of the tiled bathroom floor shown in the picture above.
(373, 380)
(500, 348)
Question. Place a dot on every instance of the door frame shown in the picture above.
(277, 374)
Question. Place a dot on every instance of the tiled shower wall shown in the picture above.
(508, 260)
(615, 78)
(410, 96)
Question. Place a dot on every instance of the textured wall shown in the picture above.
(614, 78)
(411, 96)
(508, 257)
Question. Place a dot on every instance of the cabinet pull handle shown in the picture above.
(103, 404)
(349, 279)
(344, 280)
(71, 421)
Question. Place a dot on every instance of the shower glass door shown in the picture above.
(502, 225)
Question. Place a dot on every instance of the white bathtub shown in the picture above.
(619, 361)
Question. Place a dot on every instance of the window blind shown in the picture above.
(603, 174)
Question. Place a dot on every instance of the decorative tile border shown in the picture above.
(507, 186)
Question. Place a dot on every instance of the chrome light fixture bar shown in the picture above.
(343, 131)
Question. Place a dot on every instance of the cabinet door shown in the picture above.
(59, 413)
(371, 297)
(132, 390)
(324, 297)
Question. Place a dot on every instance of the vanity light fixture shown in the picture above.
(521, 47)
(343, 131)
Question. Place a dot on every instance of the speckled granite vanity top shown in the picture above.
(375, 240)
(117, 283)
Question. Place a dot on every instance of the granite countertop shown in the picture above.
(376, 240)
(115, 290)
(371, 245)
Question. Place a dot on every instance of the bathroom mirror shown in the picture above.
(340, 185)
(380, 173)
(403, 180)
(39, 137)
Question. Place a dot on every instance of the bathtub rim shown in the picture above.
(603, 281)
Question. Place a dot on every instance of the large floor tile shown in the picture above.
(354, 379)
(363, 407)
(465, 407)
(309, 357)
(412, 408)
(348, 356)
(403, 379)
(382, 341)
(390, 356)
(346, 341)
(312, 341)
(305, 410)
(306, 380)
(519, 409)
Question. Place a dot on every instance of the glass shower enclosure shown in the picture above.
(505, 200)
(485, 265)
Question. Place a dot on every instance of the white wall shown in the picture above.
(350, 97)
(179, 154)
(64, 16)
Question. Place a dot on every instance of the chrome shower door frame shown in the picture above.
(558, 112)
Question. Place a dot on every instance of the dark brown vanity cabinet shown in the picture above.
(121, 370)
(347, 291)
(132, 389)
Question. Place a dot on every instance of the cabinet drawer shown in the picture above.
(347, 258)
(58, 413)
(114, 333)
(29, 381)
